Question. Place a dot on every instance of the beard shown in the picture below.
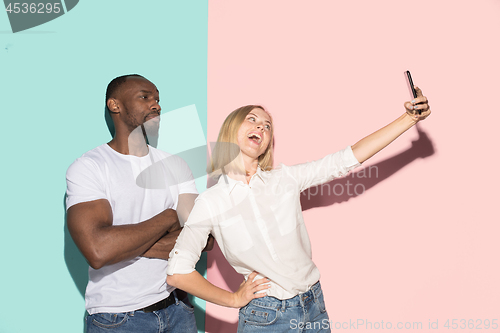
(151, 129)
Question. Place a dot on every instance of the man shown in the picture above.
(124, 202)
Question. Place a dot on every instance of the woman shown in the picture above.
(254, 213)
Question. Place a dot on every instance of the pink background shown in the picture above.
(421, 243)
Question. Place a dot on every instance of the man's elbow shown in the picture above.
(95, 264)
(95, 259)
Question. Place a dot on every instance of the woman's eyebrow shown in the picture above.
(253, 114)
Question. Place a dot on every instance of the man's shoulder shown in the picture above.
(158, 152)
(89, 160)
(96, 153)
(172, 162)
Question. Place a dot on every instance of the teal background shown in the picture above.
(52, 86)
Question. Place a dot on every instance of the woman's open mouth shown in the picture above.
(255, 137)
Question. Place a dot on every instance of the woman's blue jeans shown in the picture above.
(304, 313)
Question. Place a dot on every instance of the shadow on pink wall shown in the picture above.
(422, 147)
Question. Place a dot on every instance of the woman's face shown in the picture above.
(254, 134)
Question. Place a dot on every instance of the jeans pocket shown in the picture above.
(258, 315)
(108, 320)
(320, 301)
(188, 307)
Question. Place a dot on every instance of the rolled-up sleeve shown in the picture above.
(191, 241)
(323, 170)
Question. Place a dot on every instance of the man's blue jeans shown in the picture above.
(304, 313)
(177, 318)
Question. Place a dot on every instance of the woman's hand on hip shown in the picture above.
(248, 290)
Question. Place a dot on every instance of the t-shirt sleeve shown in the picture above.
(83, 182)
(179, 174)
(191, 241)
(323, 170)
(187, 183)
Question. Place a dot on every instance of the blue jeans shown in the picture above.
(177, 318)
(304, 313)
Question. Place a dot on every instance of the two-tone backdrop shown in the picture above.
(408, 242)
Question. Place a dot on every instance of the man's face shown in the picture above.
(138, 101)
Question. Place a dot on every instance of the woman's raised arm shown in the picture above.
(373, 143)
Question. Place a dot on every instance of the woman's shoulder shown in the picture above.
(212, 192)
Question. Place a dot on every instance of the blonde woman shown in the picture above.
(254, 213)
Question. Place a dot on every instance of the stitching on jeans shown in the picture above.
(159, 322)
(254, 312)
(181, 303)
(99, 324)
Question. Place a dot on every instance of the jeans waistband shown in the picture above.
(300, 300)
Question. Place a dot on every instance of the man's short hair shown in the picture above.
(115, 84)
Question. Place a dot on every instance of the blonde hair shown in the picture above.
(226, 149)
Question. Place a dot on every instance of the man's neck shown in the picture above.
(131, 144)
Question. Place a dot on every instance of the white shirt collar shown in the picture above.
(230, 183)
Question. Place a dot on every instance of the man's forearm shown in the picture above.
(135, 239)
(102, 243)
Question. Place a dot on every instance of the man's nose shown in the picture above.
(156, 107)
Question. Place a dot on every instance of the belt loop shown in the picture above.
(316, 289)
(175, 297)
(283, 305)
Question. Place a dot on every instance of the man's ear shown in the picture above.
(112, 105)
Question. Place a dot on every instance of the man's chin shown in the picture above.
(152, 126)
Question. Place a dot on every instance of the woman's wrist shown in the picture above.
(410, 119)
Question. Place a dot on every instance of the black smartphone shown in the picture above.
(411, 87)
(409, 81)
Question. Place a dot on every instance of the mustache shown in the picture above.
(152, 113)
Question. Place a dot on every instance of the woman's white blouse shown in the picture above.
(259, 226)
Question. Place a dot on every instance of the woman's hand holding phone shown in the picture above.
(418, 109)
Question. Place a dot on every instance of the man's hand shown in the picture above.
(161, 249)
(210, 244)
(176, 226)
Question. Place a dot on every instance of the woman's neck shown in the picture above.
(250, 166)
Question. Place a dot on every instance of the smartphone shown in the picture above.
(411, 87)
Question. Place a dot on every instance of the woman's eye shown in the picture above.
(251, 118)
(268, 127)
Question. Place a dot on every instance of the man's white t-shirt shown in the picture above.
(137, 188)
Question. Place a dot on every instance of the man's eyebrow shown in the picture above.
(149, 92)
